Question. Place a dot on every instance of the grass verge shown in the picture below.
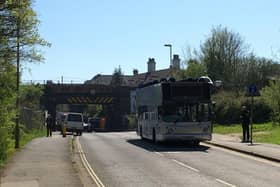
(263, 133)
(24, 139)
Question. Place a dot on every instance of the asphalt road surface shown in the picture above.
(123, 159)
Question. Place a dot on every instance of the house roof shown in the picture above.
(132, 80)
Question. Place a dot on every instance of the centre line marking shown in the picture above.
(224, 182)
(184, 165)
(88, 167)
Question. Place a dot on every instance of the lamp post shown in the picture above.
(170, 47)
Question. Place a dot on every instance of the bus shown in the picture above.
(174, 110)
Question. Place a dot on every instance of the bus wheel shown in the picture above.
(154, 136)
(141, 132)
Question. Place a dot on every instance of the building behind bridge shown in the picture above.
(140, 78)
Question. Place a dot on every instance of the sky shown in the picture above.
(92, 37)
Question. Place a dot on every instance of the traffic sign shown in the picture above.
(253, 90)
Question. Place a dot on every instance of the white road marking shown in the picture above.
(88, 167)
(184, 165)
(225, 183)
(158, 153)
(173, 152)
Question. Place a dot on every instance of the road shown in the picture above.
(123, 159)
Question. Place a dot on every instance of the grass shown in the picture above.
(24, 139)
(34, 133)
(263, 133)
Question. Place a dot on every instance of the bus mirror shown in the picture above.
(218, 83)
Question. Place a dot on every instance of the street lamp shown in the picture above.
(170, 47)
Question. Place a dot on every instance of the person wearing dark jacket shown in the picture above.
(49, 125)
(245, 120)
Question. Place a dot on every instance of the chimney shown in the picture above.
(176, 62)
(151, 65)
(135, 72)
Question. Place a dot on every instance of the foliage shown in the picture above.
(194, 69)
(228, 107)
(94, 110)
(132, 122)
(19, 24)
(30, 115)
(30, 95)
(117, 78)
(271, 95)
(7, 110)
(225, 57)
(18, 30)
(222, 53)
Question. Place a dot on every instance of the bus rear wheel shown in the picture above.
(141, 132)
(154, 136)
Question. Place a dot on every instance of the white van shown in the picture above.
(74, 123)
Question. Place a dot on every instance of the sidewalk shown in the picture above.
(42, 162)
(263, 150)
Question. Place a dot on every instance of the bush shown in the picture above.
(228, 107)
(271, 96)
(132, 122)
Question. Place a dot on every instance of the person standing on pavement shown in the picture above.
(245, 120)
(49, 125)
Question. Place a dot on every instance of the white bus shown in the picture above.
(178, 110)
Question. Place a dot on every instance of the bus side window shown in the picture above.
(146, 115)
(153, 116)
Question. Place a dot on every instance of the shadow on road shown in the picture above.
(167, 146)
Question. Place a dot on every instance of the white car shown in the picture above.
(74, 123)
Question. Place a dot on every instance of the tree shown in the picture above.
(18, 30)
(258, 71)
(194, 69)
(271, 95)
(222, 53)
(117, 78)
(19, 23)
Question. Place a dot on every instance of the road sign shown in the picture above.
(253, 90)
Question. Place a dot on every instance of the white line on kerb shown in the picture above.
(158, 153)
(184, 165)
(224, 182)
(89, 169)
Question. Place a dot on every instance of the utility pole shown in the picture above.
(17, 134)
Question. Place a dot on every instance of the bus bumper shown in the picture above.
(184, 137)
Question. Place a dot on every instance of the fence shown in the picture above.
(31, 119)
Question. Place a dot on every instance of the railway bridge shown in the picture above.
(114, 99)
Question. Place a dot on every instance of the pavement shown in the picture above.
(47, 161)
(43, 162)
(263, 150)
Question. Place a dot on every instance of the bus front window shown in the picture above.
(198, 112)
